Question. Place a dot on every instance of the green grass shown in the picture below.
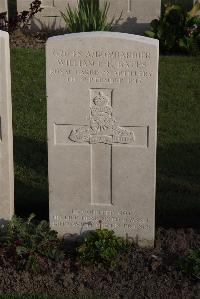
(178, 163)
(178, 160)
(29, 126)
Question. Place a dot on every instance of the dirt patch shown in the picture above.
(30, 40)
(140, 273)
(24, 39)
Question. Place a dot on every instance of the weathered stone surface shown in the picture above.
(102, 110)
(6, 139)
(3, 6)
(49, 18)
(4, 13)
(136, 14)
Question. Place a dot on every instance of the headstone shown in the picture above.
(6, 139)
(136, 14)
(3, 6)
(102, 103)
(49, 18)
(3, 14)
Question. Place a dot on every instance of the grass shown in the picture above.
(178, 162)
(178, 159)
(29, 126)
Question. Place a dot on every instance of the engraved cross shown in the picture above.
(103, 132)
(102, 135)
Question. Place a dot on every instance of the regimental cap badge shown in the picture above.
(100, 99)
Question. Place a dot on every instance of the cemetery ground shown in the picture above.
(139, 273)
(178, 155)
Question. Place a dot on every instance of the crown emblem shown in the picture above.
(100, 100)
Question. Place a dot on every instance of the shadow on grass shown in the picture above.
(178, 188)
(29, 200)
(31, 187)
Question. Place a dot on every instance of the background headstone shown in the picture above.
(49, 18)
(3, 13)
(3, 6)
(102, 110)
(136, 17)
(136, 14)
(6, 139)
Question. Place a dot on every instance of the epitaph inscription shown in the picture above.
(92, 218)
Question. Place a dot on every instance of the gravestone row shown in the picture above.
(102, 124)
(136, 14)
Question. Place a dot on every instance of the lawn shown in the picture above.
(178, 159)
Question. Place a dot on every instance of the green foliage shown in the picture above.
(87, 17)
(191, 263)
(101, 246)
(22, 19)
(177, 30)
(28, 242)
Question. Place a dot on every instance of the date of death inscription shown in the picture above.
(91, 218)
(109, 67)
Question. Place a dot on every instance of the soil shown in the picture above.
(140, 273)
(26, 39)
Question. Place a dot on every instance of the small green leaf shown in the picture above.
(21, 250)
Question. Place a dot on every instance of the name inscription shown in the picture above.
(112, 67)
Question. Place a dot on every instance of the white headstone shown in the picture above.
(136, 14)
(4, 11)
(49, 18)
(3, 6)
(102, 110)
(6, 139)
